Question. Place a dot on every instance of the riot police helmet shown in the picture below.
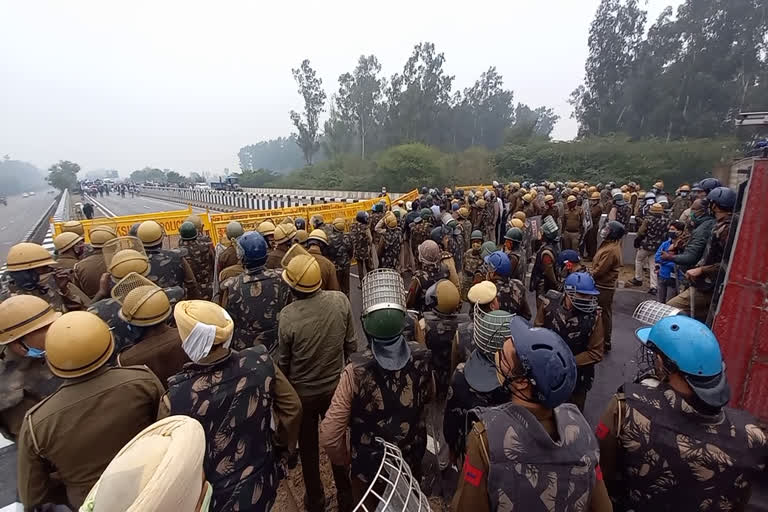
(252, 249)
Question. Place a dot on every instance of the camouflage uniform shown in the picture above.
(440, 331)
(232, 399)
(424, 278)
(659, 453)
(623, 214)
(199, 255)
(254, 299)
(543, 277)
(471, 264)
(24, 381)
(390, 250)
(374, 219)
(343, 250)
(419, 234)
(466, 232)
(532, 472)
(361, 245)
(46, 289)
(462, 399)
(168, 268)
(511, 296)
(518, 262)
(390, 405)
(679, 205)
(124, 334)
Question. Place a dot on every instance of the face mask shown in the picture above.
(604, 233)
(672, 234)
(683, 194)
(32, 352)
(650, 201)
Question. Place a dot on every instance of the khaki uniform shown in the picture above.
(275, 256)
(24, 381)
(80, 428)
(66, 262)
(47, 289)
(159, 349)
(88, 272)
(227, 258)
(327, 269)
(573, 227)
(605, 271)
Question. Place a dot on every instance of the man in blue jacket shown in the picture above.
(667, 274)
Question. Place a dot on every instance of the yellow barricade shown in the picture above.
(475, 187)
(170, 220)
(410, 196)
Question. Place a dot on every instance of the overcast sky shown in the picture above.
(185, 84)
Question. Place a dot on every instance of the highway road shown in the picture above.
(19, 217)
(114, 204)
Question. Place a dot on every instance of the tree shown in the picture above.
(149, 174)
(487, 109)
(531, 124)
(174, 178)
(63, 175)
(311, 89)
(281, 154)
(359, 98)
(196, 177)
(338, 135)
(17, 176)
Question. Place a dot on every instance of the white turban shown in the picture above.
(160, 469)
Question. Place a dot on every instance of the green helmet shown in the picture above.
(426, 213)
(514, 234)
(487, 248)
(383, 298)
(134, 231)
(549, 229)
(234, 230)
(187, 231)
(476, 235)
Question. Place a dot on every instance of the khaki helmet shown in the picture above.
(287, 220)
(447, 296)
(197, 221)
(551, 186)
(66, 241)
(548, 198)
(533, 193)
(483, 292)
(284, 233)
(527, 198)
(234, 230)
(592, 189)
(685, 188)
(625, 188)
(571, 199)
(301, 270)
(301, 236)
(99, 235)
(659, 185)
(266, 228)
(145, 306)
(318, 235)
(519, 215)
(73, 226)
(627, 196)
(389, 220)
(26, 256)
(339, 224)
(641, 193)
(126, 261)
(23, 314)
(150, 233)
(576, 190)
(657, 208)
(523, 191)
(515, 184)
(481, 203)
(316, 221)
(463, 212)
(595, 195)
(517, 223)
(77, 344)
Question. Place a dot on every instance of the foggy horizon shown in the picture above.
(182, 86)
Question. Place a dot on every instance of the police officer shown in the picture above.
(441, 323)
(431, 271)
(77, 430)
(377, 213)
(649, 237)
(69, 249)
(146, 309)
(198, 222)
(471, 264)
(471, 385)
(573, 224)
(267, 230)
(703, 278)
(167, 268)
(605, 271)
(255, 297)
(511, 291)
(669, 441)
(24, 377)
(620, 211)
(235, 395)
(226, 252)
(199, 255)
(362, 242)
(543, 275)
(30, 272)
(383, 392)
(317, 244)
(391, 238)
(343, 251)
(596, 212)
(88, 271)
(513, 248)
(316, 335)
(536, 433)
(466, 225)
(283, 239)
(682, 202)
(575, 316)
(568, 262)
(420, 231)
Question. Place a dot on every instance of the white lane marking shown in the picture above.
(13, 507)
(4, 442)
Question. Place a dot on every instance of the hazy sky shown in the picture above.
(185, 84)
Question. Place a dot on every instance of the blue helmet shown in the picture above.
(498, 261)
(252, 249)
(568, 255)
(455, 207)
(547, 361)
(723, 197)
(578, 284)
(709, 184)
(301, 223)
(694, 351)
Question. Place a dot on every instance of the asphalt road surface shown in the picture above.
(117, 205)
(19, 217)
